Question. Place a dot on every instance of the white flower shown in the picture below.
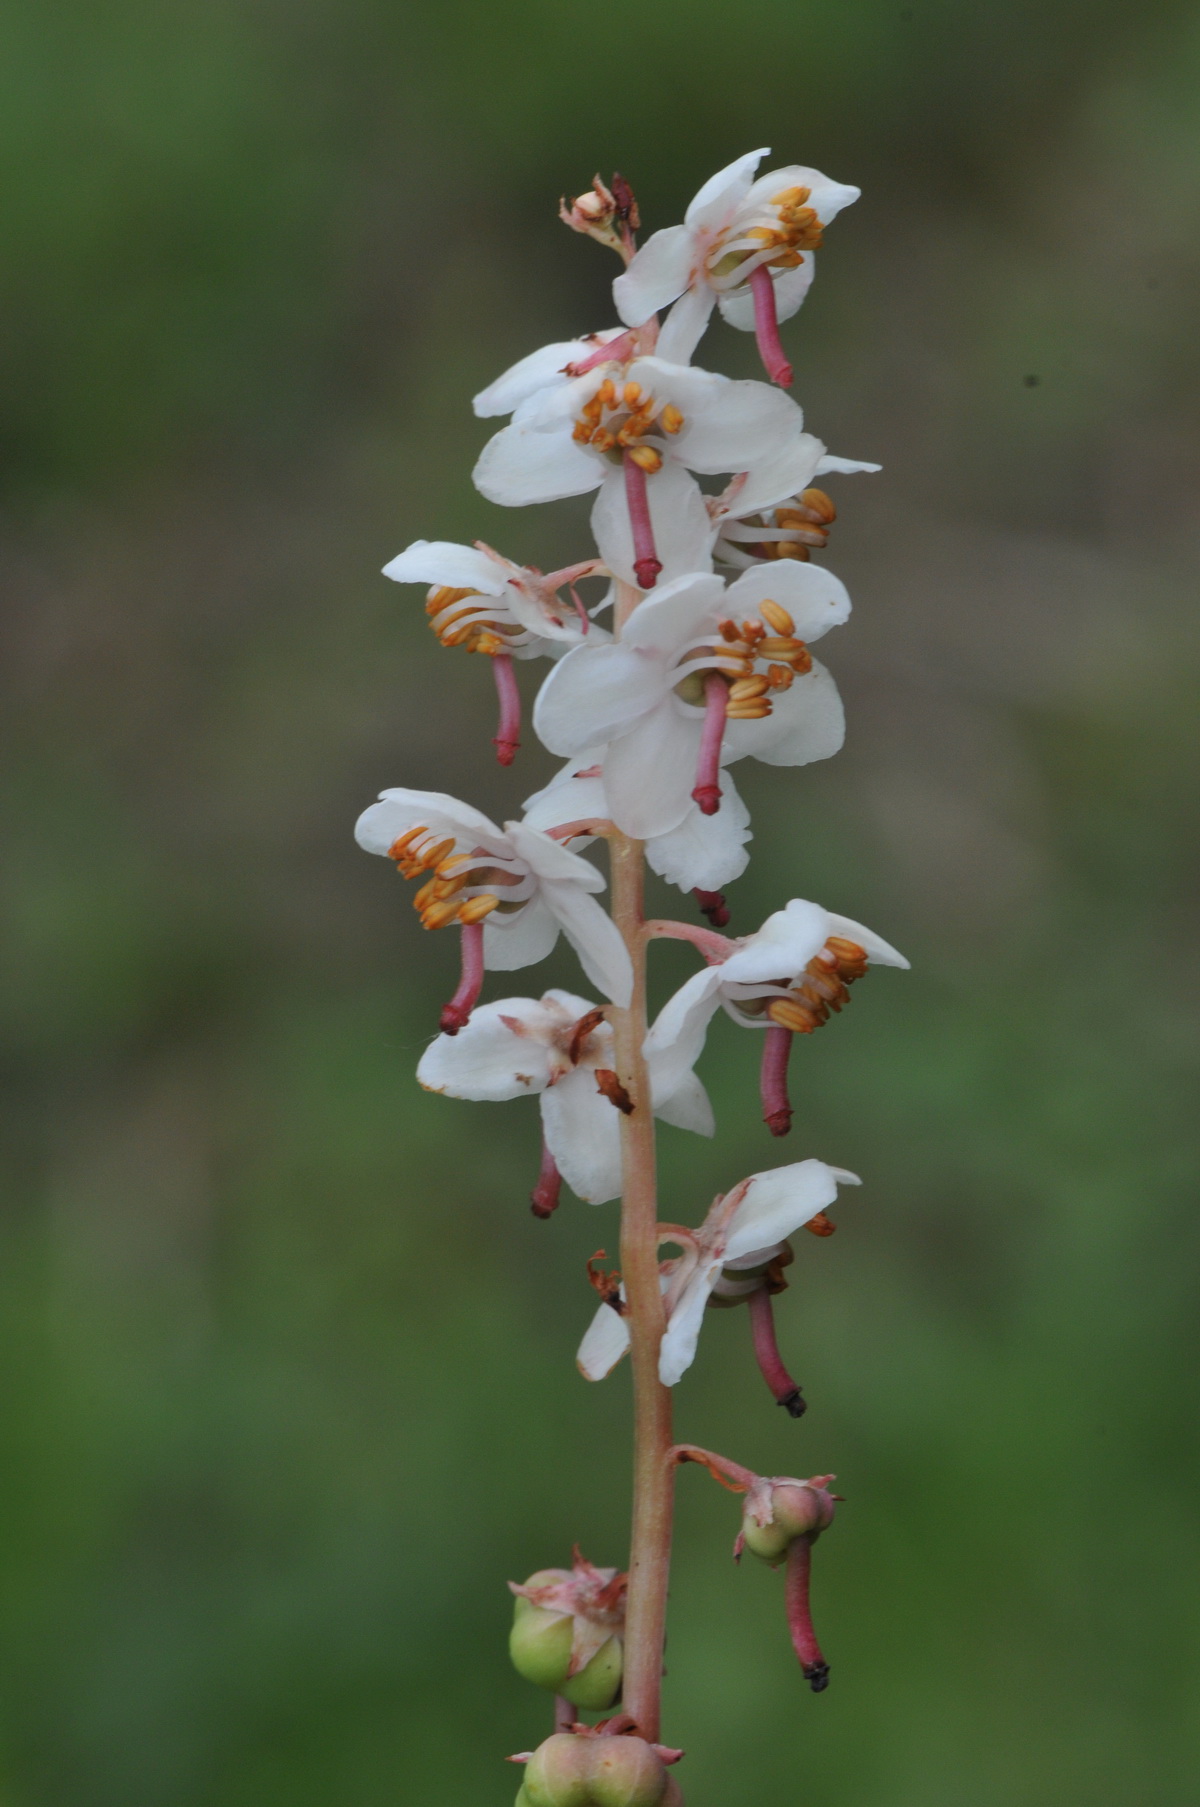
(772, 512)
(484, 602)
(704, 853)
(788, 975)
(746, 1227)
(635, 429)
(679, 694)
(547, 368)
(552, 1048)
(522, 886)
(734, 227)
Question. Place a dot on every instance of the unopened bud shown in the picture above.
(779, 1510)
(574, 1770)
(566, 1634)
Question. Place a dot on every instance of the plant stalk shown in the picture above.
(650, 1542)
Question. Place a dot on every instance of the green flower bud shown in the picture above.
(582, 1770)
(566, 1634)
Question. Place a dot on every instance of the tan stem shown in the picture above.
(650, 1544)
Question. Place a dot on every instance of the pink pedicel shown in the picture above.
(543, 1200)
(707, 792)
(766, 328)
(799, 1617)
(766, 1352)
(618, 350)
(646, 562)
(712, 904)
(457, 1013)
(777, 1108)
(507, 738)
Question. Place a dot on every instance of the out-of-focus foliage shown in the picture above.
(288, 1389)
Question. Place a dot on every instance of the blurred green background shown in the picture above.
(288, 1385)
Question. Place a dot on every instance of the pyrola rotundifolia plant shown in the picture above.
(712, 602)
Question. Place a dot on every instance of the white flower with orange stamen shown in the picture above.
(704, 853)
(787, 979)
(745, 1228)
(703, 674)
(483, 602)
(559, 1049)
(512, 890)
(635, 428)
(774, 511)
(745, 246)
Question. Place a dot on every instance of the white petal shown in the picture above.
(583, 1134)
(704, 852)
(677, 1351)
(399, 810)
(734, 425)
(522, 939)
(503, 1052)
(659, 272)
(725, 191)
(676, 1039)
(550, 860)
(778, 1202)
(542, 369)
(605, 1342)
(522, 464)
(873, 945)
(568, 797)
(596, 940)
(791, 286)
(784, 474)
(650, 770)
(444, 562)
(848, 466)
(682, 529)
(594, 693)
(814, 598)
(674, 613)
(826, 197)
(683, 328)
(783, 946)
(806, 722)
(687, 1107)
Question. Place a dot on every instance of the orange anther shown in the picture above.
(439, 915)
(746, 688)
(820, 504)
(647, 458)
(670, 419)
(780, 677)
(476, 908)
(631, 394)
(777, 617)
(603, 440)
(606, 394)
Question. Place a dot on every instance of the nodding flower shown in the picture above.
(746, 247)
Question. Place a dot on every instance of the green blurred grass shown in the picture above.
(287, 1364)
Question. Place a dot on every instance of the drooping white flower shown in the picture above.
(516, 886)
(553, 1048)
(734, 229)
(704, 853)
(483, 602)
(747, 1227)
(787, 978)
(635, 428)
(679, 694)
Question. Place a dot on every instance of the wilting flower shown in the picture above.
(634, 428)
(787, 979)
(746, 246)
(747, 1227)
(558, 1048)
(567, 1631)
(512, 890)
(702, 853)
(485, 603)
(682, 692)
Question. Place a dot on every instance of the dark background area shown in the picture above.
(288, 1368)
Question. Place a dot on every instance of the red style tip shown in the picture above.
(646, 571)
(707, 798)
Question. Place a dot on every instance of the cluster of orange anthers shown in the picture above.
(808, 517)
(615, 420)
(822, 988)
(799, 229)
(787, 657)
(440, 902)
(456, 625)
